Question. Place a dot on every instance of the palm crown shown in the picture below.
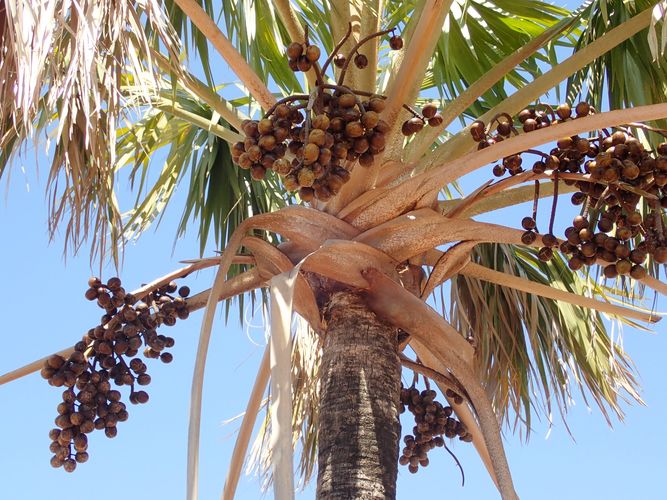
(347, 173)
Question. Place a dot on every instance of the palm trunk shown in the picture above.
(360, 378)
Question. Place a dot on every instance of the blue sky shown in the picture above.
(43, 310)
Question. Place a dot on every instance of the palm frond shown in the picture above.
(261, 38)
(620, 78)
(220, 195)
(478, 35)
(532, 351)
(67, 78)
(306, 355)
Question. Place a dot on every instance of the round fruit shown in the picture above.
(396, 42)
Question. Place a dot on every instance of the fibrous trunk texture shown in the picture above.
(360, 378)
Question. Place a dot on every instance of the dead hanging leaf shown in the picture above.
(68, 59)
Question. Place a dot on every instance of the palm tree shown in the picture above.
(358, 256)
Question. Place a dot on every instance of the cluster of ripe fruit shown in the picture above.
(313, 141)
(432, 421)
(106, 355)
(621, 190)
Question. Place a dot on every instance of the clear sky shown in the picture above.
(43, 311)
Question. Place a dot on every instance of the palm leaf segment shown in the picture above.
(365, 237)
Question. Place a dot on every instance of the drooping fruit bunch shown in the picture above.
(621, 190)
(108, 354)
(432, 421)
(313, 141)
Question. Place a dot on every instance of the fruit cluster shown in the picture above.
(106, 354)
(433, 420)
(615, 176)
(312, 141)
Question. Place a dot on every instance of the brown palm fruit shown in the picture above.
(322, 192)
(429, 110)
(582, 145)
(376, 104)
(564, 111)
(361, 145)
(528, 223)
(267, 142)
(618, 137)
(339, 151)
(265, 126)
(529, 125)
(528, 238)
(303, 64)
(477, 130)
(638, 272)
(539, 167)
(622, 251)
(412, 126)
(317, 136)
(565, 143)
(578, 198)
(310, 153)
(306, 194)
(545, 254)
(575, 263)
(504, 129)
(549, 240)
(499, 170)
(312, 53)
(396, 42)
(370, 119)
(354, 129)
(360, 61)
(605, 224)
(634, 218)
(306, 177)
(321, 122)
(525, 114)
(378, 141)
(294, 50)
(257, 173)
(436, 120)
(339, 60)
(291, 182)
(582, 109)
(341, 172)
(623, 266)
(293, 65)
(366, 159)
(282, 111)
(335, 182)
(347, 100)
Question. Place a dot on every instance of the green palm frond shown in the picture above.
(478, 35)
(220, 195)
(626, 75)
(532, 351)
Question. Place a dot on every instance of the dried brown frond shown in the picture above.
(62, 67)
